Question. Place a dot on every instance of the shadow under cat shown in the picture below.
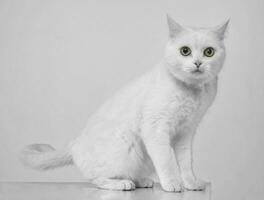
(81, 191)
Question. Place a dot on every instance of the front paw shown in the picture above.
(172, 186)
(194, 184)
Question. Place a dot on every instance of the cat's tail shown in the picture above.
(44, 157)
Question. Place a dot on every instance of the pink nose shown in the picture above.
(198, 64)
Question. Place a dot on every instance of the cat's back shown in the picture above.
(126, 102)
(111, 127)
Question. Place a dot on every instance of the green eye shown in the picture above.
(209, 52)
(185, 51)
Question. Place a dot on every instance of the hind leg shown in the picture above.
(115, 184)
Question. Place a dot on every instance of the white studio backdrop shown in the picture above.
(59, 60)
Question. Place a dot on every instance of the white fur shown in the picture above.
(147, 128)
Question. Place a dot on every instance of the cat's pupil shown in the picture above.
(185, 50)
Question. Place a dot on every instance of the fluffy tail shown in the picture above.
(44, 157)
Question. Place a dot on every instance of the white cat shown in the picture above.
(147, 128)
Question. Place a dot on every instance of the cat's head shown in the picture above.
(195, 55)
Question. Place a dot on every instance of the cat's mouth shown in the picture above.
(197, 71)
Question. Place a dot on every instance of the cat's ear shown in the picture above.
(174, 27)
(220, 30)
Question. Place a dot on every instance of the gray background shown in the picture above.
(59, 60)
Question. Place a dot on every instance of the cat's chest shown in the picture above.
(183, 108)
(188, 107)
